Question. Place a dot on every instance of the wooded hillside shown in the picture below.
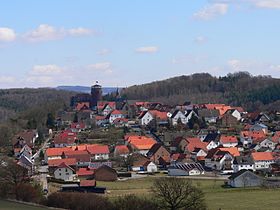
(238, 89)
(28, 109)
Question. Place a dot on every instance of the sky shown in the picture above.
(122, 42)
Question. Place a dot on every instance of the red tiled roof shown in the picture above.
(120, 120)
(121, 149)
(84, 172)
(141, 142)
(195, 143)
(67, 137)
(258, 156)
(100, 117)
(57, 151)
(158, 114)
(98, 149)
(232, 150)
(228, 139)
(82, 105)
(57, 162)
(116, 112)
(64, 165)
(87, 183)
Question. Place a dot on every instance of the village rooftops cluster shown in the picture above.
(185, 139)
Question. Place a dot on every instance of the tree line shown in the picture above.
(237, 89)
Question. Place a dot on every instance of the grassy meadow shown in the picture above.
(216, 196)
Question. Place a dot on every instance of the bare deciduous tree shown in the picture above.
(178, 193)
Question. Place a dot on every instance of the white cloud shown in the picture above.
(104, 67)
(147, 49)
(50, 69)
(200, 39)
(79, 31)
(7, 35)
(46, 32)
(211, 11)
(271, 4)
(103, 52)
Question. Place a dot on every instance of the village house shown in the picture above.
(55, 153)
(229, 120)
(65, 139)
(101, 120)
(243, 162)
(116, 114)
(120, 122)
(141, 144)
(26, 137)
(82, 157)
(26, 163)
(98, 152)
(64, 172)
(177, 117)
(54, 163)
(209, 115)
(147, 116)
(25, 150)
(268, 143)
(150, 167)
(198, 154)
(85, 173)
(262, 160)
(82, 106)
(108, 108)
(193, 143)
(221, 159)
(259, 127)
(158, 151)
(245, 178)
(121, 150)
(228, 141)
(185, 169)
(248, 137)
(77, 127)
(212, 140)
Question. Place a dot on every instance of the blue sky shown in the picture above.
(123, 42)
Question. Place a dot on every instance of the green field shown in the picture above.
(215, 195)
(8, 205)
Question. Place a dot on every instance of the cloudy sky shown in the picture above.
(124, 42)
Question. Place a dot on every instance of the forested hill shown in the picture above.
(15, 101)
(238, 89)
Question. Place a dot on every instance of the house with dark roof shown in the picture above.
(177, 117)
(217, 159)
(210, 115)
(185, 169)
(243, 162)
(212, 140)
(158, 151)
(245, 178)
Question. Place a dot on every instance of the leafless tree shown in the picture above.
(178, 193)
